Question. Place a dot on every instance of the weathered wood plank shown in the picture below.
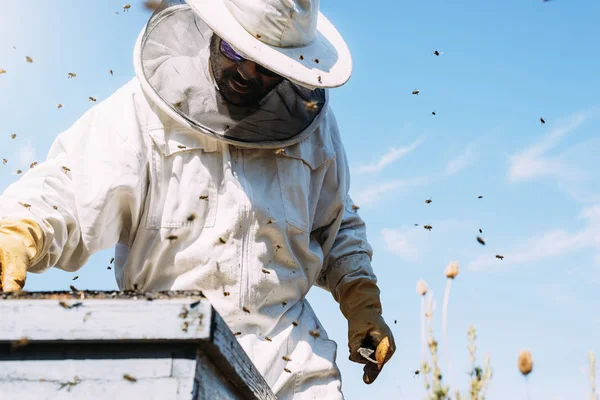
(111, 319)
(226, 353)
(211, 383)
(147, 389)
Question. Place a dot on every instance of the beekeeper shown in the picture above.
(219, 168)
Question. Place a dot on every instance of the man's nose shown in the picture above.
(247, 69)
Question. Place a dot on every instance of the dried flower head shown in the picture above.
(525, 362)
(452, 270)
(422, 287)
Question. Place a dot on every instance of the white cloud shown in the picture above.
(463, 160)
(371, 194)
(534, 161)
(26, 155)
(401, 242)
(392, 155)
(550, 244)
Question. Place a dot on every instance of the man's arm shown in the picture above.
(85, 197)
(347, 271)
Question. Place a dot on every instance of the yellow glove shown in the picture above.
(20, 241)
(360, 304)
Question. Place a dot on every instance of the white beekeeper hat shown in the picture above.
(289, 37)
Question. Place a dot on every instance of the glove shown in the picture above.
(21, 240)
(360, 304)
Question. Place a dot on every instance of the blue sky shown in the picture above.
(504, 65)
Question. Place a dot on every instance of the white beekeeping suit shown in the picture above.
(251, 207)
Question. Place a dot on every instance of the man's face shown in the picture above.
(241, 83)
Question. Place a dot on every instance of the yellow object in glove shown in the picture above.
(360, 304)
(21, 240)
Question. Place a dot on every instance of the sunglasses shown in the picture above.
(233, 55)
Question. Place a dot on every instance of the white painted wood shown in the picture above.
(147, 389)
(106, 369)
(106, 319)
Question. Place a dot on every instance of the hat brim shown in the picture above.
(325, 63)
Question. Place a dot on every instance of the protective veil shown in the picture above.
(173, 67)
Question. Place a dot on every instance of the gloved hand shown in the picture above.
(360, 304)
(20, 241)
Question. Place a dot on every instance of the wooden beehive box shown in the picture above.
(121, 345)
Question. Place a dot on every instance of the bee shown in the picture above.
(111, 72)
(287, 370)
(112, 260)
(76, 277)
(71, 75)
(280, 151)
(29, 59)
(278, 247)
(286, 358)
(428, 201)
(314, 333)
(2, 71)
(203, 197)
(266, 271)
(226, 294)
(19, 343)
(312, 105)
(480, 197)
(151, 5)
(73, 289)
(480, 240)
(33, 164)
(284, 303)
(92, 99)
(268, 339)
(191, 217)
(416, 373)
(64, 304)
(13, 135)
(18, 172)
(543, 121)
(181, 147)
(428, 227)
(319, 78)
(295, 323)
(27, 206)
(4, 161)
(499, 257)
(270, 221)
(415, 92)
(129, 378)
(395, 321)
(237, 334)
(126, 7)
(184, 312)
(222, 240)
(172, 237)
(300, 57)
(316, 60)
(60, 106)
(437, 53)
(108, 268)
(184, 326)
(66, 169)
(87, 316)
(246, 310)
(355, 207)
(433, 113)
(416, 224)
